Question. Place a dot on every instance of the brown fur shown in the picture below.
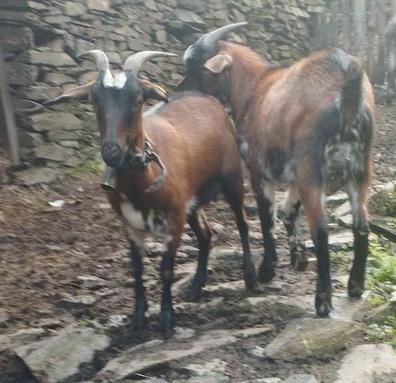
(189, 149)
(296, 126)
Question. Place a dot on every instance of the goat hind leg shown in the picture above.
(233, 192)
(311, 196)
(167, 269)
(358, 197)
(265, 196)
(289, 214)
(197, 221)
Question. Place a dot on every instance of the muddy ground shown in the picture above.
(44, 250)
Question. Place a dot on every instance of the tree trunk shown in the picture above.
(359, 21)
(8, 132)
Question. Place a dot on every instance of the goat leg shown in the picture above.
(167, 265)
(139, 320)
(200, 226)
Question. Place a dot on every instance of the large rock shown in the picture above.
(55, 121)
(15, 39)
(40, 92)
(98, 5)
(36, 176)
(367, 363)
(58, 79)
(133, 360)
(210, 378)
(51, 58)
(306, 337)
(301, 378)
(74, 9)
(21, 74)
(52, 152)
(57, 358)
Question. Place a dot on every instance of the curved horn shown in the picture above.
(102, 62)
(211, 38)
(134, 62)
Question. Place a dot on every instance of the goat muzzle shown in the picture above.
(112, 154)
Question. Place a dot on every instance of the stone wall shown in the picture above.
(42, 38)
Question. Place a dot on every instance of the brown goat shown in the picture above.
(309, 127)
(191, 137)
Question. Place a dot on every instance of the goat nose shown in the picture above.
(112, 154)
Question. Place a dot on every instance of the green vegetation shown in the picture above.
(89, 167)
(381, 272)
(381, 279)
(383, 330)
(384, 203)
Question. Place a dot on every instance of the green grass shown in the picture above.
(383, 331)
(381, 269)
(381, 279)
(88, 167)
(384, 203)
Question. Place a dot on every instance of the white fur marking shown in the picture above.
(134, 217)
(120, 80)
(191, 204)
(108, 80)
(243, 148)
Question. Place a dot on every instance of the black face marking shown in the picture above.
(116, 108)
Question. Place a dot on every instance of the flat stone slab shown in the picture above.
(301, 378)
(131, 362)
(367, 363)
(306, 337)
(54, 359)
(336, 241)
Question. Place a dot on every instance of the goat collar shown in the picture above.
(137, 161)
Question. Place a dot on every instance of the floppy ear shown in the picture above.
(78, 92)
(153, 91)
(218, 63)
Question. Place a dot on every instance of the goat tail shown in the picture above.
(351, 93)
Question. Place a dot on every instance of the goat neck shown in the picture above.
(248, 67)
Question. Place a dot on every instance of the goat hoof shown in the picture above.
(266, 274)
(323, 305)
(193, 293)
(166, 321)
(299, 261)
(250, 278)
(355, 289)
(139, 319)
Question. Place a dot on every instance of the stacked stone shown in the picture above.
(41, 40)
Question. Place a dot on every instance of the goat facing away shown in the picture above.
(192, 138)
(390, 58)
(308, 126)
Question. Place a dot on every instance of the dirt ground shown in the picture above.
(43, 251)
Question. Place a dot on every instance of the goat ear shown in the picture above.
(153, 91)
(77, 92)
(218, 63)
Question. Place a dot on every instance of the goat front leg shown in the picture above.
(136, 254)
(358, 198)
(265, 196)
(289, 214)
(167, 266)
(312, 196)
